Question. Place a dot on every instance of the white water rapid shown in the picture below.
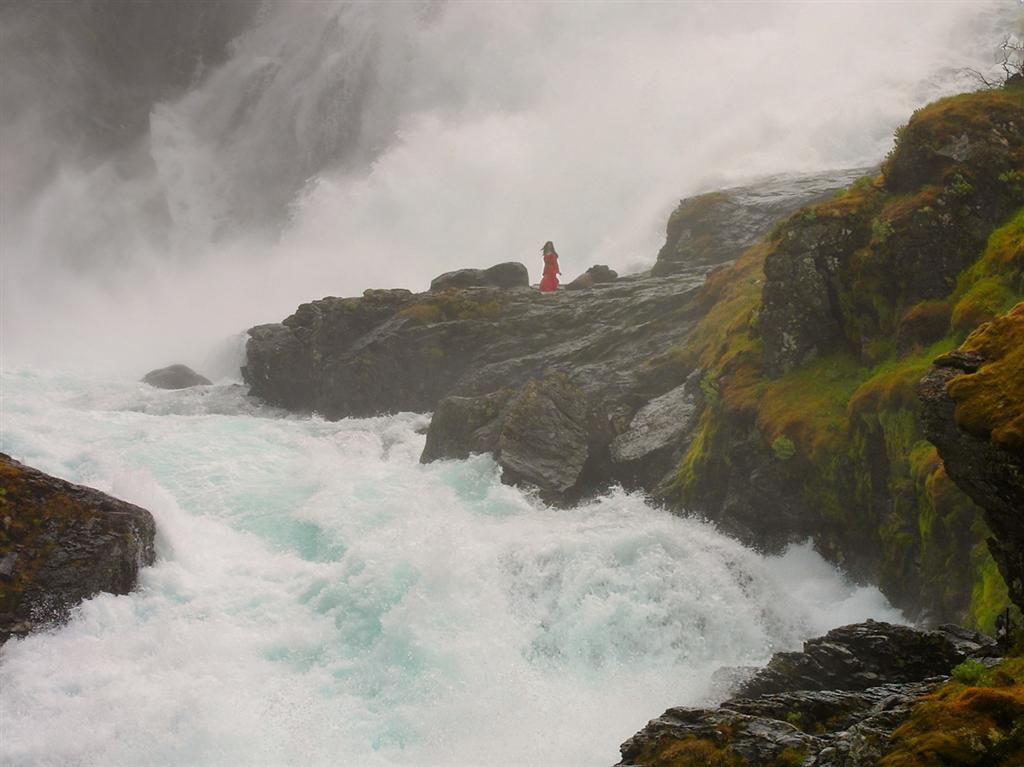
(320, 598)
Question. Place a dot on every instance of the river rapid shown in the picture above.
(322, 598)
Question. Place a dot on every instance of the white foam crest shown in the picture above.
(319, 595)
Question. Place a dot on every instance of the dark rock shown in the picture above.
(510, 274)
(546, 435)
(461, 426)
(801, 319)
(595, 275)
(988, 469)
(715, 227)
(857, 657)
(65, 543)
(835, 704)
(174, 377)
(359, 357)
(757, 740)
(649, 449)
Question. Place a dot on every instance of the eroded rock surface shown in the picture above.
(61, 543)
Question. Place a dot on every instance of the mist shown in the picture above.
(333, 147)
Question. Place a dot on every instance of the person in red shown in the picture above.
(549, 282)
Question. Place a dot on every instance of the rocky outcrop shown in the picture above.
(842, 274)
(865, 655)
(974, 413)
(835, 704)
(61, 543)
(595, 275)
(544, 383)
(718, 226)
(812, 349)
(510, 274)
(175, 377)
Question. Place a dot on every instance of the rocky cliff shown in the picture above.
(814, 343)
(61, 543)
(974, 413)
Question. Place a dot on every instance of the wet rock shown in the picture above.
(545, 434)
(510, 274)
(546, 437)
(175, 377)
(715, 227)
(461, 426)
(835, 704)
(64, 543)
(595, 275)
(973, 411)
(454, 351)
(649, 449)
(857, 657)
(697, 737)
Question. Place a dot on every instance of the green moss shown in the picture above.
(453, 304)
(969, 672)
(783, 448)
(989, 594)
(990, 402)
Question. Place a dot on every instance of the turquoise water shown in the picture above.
(321, 598)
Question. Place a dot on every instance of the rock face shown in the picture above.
(840, 271)
(547, 434)
(816, 339)
(718, 226)
(510, 274)
(175, 377)
(542, 382)
(835, 704)
(61, 543)
(974, 413)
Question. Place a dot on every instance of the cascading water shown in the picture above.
(320, 598)
(339, 146)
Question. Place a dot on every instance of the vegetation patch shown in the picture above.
(990, 402)
(975, 720)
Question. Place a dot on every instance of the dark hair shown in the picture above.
(549, 247)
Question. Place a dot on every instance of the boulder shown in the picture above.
(595, 275)
(61, 543)
(546, 434)
(510, 274)
(175, 377)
